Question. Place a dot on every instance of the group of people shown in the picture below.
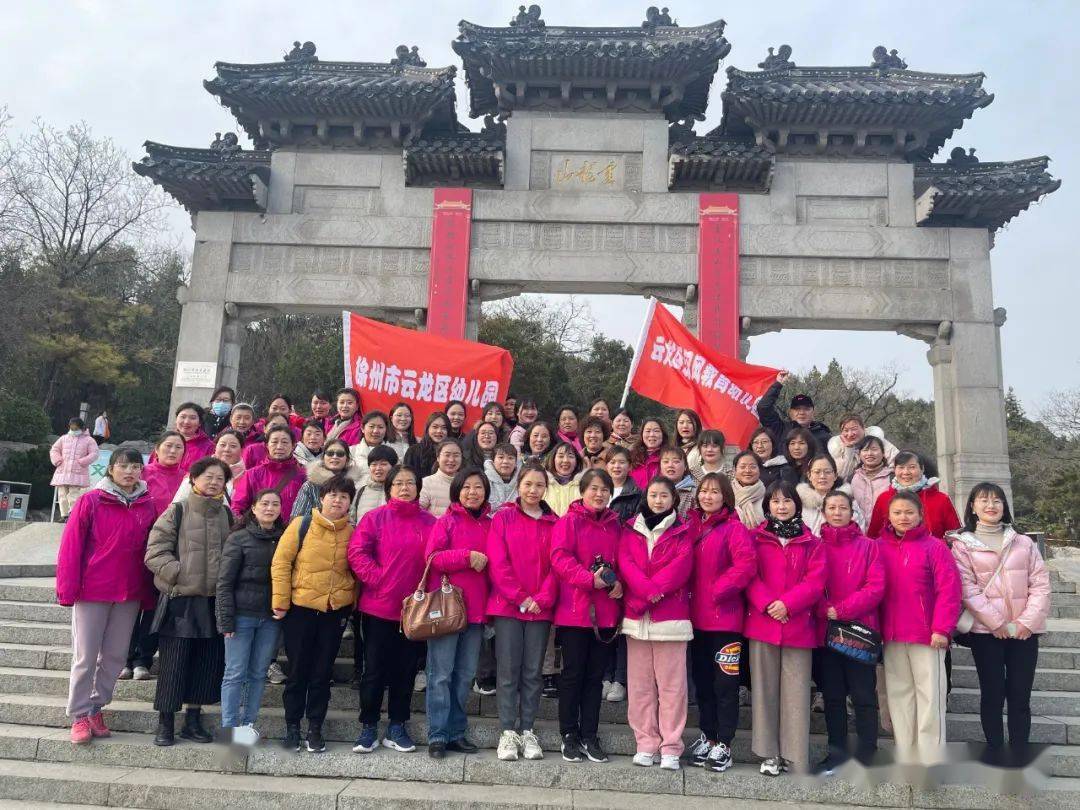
(596, 556)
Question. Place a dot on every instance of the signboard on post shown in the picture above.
(191, 374)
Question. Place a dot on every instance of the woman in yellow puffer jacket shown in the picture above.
(314, 593)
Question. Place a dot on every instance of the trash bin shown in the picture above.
(14, 500)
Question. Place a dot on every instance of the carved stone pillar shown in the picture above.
(690, 317)
(232, 338)
(472, 312)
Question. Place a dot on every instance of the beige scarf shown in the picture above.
(748, 503)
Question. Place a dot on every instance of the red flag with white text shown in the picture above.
(389, 364)
(676, 369)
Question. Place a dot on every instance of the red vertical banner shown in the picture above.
(718, 272)
(448, 276)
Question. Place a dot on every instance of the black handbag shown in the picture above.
(854, 640)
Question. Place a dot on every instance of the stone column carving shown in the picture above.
(690, 316)
(472, 312)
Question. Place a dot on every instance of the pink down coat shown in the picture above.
(665, 573)
(794, 574)
(162, 482)
(1020, 593)
(386, 552)
(453, 538)
(647, 470)
(72, 457)
(854, 576)
(922, 587)
(577, 538)
(198, 446)
(519, 564)
(724, 563)
(267, 476)
(102, 549)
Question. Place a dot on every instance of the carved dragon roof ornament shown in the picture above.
(404, 57)
(885, 59)
(528, 20)
(657, 17)
(302, 53)
(779, 60)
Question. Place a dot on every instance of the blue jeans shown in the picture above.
(451, 666)
(247, 655)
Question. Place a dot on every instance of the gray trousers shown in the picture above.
(780, 677)
(519, 655)
(100, 632)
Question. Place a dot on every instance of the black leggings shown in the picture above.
(582, 681)
(1006, 669)
(390, 662)
(716, 659)
(840, 677)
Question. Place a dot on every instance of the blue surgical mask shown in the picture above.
(221, 408)
(74, 432)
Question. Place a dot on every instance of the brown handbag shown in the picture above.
(432, 614)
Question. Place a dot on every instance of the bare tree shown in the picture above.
(1061, 413)
(568, 323)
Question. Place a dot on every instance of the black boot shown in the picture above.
(165, 729)
(292, 737)
(193, 728)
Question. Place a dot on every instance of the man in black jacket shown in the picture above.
(801, 413)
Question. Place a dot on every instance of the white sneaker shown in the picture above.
(348, 633)
(771, 767)
(509, 745)
(699, 751)
(274, 673)
(420, 682)
(719, 759)
(142, 674)
(645, 759)
(605, 689)
(531, 746)
(125, 674)
(617, 693)
(245, 735)
(669, 762)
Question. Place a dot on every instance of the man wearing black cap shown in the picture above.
(801, 413)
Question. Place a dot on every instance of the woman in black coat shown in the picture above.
(244, 614)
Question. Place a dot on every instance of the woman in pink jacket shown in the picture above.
(165, 472)
(280, 472)
(345, 424)
(918, 614)
(1006, 593)
(724, 564)
(189, 424)
(457, 547)
(100, 573)
(655, 558)
(854, 587)
(522, 605)
(783, 630)
(645, 455)
(386, 553)
(584, 553)
(72, 454)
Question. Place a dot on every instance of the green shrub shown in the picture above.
(22, 419)
(32, 467)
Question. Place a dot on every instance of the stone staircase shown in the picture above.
(38, 763)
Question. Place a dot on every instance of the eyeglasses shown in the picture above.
(335, 454)
(985, 501)
(131, 467)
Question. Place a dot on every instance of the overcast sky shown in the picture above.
(134, 71)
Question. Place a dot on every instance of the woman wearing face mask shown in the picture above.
(100, 575)
(346, 424)
(375, 425)
(189, 419)
(567, 421)
(763, 446)
(526, 415)
(594, 435)
(420, 457)
(687, 434)
(783, 631)
(521, 603)
(844, 446)
(622, 430)
(821, 479)
(183, 553)
(435, 492)
(457, 546)
(386, 553)
(217, 414)
(918, 614)
(165, 472)
(854, 588)
(244, 614)
(723, 564)
(228, 448)
(708, 455)
(1006, 592)
(798, 447)
(400, 433)
(334, 461)
(645, 455)
(587, 611)
(938, 512)
(873, 474)
(655, 561)
(625, 494)
(748, 490)
(538, 441)
(280, 472)
(456, 413)
(72, 455)
(564, 467)
(314, 591)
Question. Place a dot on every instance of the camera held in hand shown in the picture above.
(606, 569)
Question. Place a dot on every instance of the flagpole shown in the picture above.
(637, 352)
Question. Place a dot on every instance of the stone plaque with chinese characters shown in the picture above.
(591, 171)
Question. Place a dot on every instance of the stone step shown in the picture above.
(339, 779)
(35, 656)
(1064, 611)
(343, 725)
(1049, 657)
(28, 589)
(48, 634)
(30, 611)
(966, 700)
(1054, 680)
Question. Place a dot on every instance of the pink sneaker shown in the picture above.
(81, 732)
(97, 725)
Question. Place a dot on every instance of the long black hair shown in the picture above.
(985, 488)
